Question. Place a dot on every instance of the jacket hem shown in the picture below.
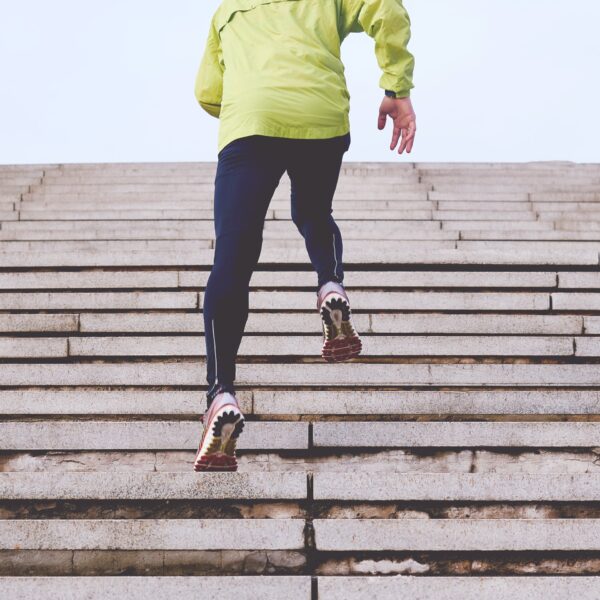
(303, 133)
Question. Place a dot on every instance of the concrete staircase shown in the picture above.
(457, 459)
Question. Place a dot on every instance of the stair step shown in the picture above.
(371, 434)
(281, 435)
(352, 279)
(457, 534)
(142, 435)
(299, 300)
(458, 588)
(376, 461)
(241, 587)
(294, 322)
(464, 224)
(154, 486)
(398, 402)
(113, 402)
(480, 487)
(137, 203)
(95, 401)
(354, 374)
(524, 246)
(99, 195)
(429, 323)
(375, 226)
(295, 345)
(277, 256)
(299, 587)
(160, 233)
(548, 235)
(287, 534)
(152, 534)
(356, 486)
(295, 244)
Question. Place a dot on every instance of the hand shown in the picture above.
(402, 114)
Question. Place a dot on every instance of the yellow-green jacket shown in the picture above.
(273, 67)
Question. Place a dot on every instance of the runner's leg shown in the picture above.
(248, 172)
(314, 168)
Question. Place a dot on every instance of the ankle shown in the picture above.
(328, 287)
(220, 389)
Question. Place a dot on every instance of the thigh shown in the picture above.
(314, 169)
(248, 172)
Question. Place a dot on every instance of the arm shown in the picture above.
(209, 80)
(388, 23)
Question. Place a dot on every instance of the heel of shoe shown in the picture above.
(216, 462)
(341, 349)
(341, 342)
(220, 453)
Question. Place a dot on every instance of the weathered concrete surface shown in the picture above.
(293, 279)
(141, 588)
(425, 402)
(141, 435)
(458, 588)
(296, 322)
(364, 279)
(380, 461)
(445, 301)
(403, 434)
(98, 300)
(269, 255)
(94, 401)
(575, 301)
(540, 234)
(17, 347)
(457, 534)
(154, 486)
(152, 534)
(22, 323)
(302, 345)
(148, 563)
(177, 322)
(391, 300)
(190, 372)
(457, 486)
(180, 435)
(292, 485)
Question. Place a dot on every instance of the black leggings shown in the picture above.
(248, 172)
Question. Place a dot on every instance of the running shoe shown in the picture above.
(340, 340)
(223, 422)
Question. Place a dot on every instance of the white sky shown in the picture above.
(112, 80)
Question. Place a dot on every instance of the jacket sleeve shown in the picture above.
(388, 23)
(209, 80)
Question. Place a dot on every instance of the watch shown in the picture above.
(390, 94)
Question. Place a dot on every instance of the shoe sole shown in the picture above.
(341, 342)
(220, 442)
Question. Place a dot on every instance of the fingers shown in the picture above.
(410, 142)
(395, 136)
(404, 133)
(408, 137)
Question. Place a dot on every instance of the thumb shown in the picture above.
(382, 119)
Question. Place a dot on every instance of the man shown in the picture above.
(272, 73)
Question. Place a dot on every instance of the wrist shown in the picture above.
(396, 95)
